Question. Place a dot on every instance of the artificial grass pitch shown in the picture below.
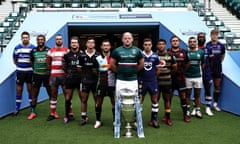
(222, 128)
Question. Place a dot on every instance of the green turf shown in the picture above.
(222, 128)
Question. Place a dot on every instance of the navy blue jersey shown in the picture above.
(216, 51)
(207, 71)
(149, 72)
(22, 55)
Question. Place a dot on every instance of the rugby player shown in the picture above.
(147, 79)
(178, 77)
(217, 54)
(41, 72)
(57, 76)
(24, 71)
(106, 81)
(167, 67)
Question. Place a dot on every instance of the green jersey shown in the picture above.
(127, 61)
(38, 58)
(196, 58)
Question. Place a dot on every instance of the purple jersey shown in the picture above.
(207, 71)
(216, 51)
(149, 72)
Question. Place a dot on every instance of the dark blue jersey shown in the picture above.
(216, 51)
(149, 72)
(207, 71)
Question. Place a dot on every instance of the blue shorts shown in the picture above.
(145, 86)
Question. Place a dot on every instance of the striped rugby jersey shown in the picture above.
(22, 55)
(55, 56)
(127, 61)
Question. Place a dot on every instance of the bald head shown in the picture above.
(127, 39)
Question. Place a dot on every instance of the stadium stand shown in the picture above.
(232, 5)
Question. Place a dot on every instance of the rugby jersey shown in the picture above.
(127, 61)
(54, 56)
(39, 60)
(167, 62)
(216, 51)
(182, 60)
(151, 63)
(207, 71)
(71, 60)
(88, 64)
(106, 77)
(196, 58)
(22, 56)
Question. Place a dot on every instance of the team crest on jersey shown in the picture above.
(147, 66)
(181, 54)
(198, 55)
(162, 63)
(134, 51)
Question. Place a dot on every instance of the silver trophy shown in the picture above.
(128, 110)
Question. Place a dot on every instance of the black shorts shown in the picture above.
(71, 83)
(179, 85)
(217, 75)
(87, 87)
(39, 80)
(55, 81)
(165, 89)
(105, 91)
(23, 77)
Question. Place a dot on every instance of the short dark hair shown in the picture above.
(25, 33)
(191, 38)
(41, 35)
(162, 40)
(106, 40)
(147, 40)
(174, 37)
(74, 38)
(90, 38)
(214, 31)
(201, 33)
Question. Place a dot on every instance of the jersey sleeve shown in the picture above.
(202, 57)
(223, 50)
(80, 61)
(31, 55)
(139, 55)
(114, 54)
(157, 61)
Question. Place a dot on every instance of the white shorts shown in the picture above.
(126, 86)
(194, 82)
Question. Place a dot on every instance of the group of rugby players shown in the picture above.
(105, 73)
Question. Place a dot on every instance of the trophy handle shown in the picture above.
(117, 118)
(139, 118)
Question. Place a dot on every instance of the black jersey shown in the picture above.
(72, 61)
(88, 63)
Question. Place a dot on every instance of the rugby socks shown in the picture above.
(216, 95)
(30, 100)
(70, 112)
(188, 110)
(53, 104)
(98, 110)
(84, 115)
(18, 102)
(67, 107)
(113, 112)
(167, 113)
(184, 106)
(33, 109)
(208, 100)
(154, 111)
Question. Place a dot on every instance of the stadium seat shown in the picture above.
(76, 5)
(67, 3)
(116, 5)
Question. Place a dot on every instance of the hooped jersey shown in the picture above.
(167, 62)
(106, 77)
(55, 56)
(39, 60)
(22, 55)
(127, 61)
(151, 63)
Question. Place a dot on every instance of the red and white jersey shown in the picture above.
(55, 56)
